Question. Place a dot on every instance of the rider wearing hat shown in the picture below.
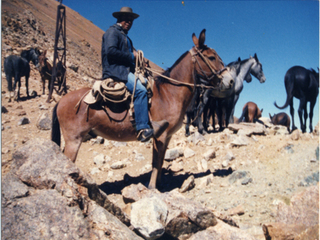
(118, 62)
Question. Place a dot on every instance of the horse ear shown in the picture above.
(239, 59)
(261, 110)
(202, 38)
(270, 116)
(256, 57)
(195, 40)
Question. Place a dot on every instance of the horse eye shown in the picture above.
(212, 58)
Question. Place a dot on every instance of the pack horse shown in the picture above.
(201, 63)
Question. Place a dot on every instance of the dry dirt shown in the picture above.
(278, 165)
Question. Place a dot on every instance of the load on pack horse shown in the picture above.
(172, 93)
(17, 67)
(303, 84)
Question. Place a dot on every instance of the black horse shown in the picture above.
(17, 67)
(303, 84)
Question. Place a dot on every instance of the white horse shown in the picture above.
(240, 70)
(247, 67)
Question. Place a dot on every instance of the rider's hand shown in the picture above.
(135, 54)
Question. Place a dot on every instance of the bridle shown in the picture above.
(204, 78)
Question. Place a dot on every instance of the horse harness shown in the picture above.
(104, 91)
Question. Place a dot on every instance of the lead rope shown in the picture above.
(139, 70)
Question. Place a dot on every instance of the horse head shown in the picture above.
(256, 69)
(209, 66)
(43, 63)
(31, 55)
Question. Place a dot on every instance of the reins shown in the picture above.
(194, 60)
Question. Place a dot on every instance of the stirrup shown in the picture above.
(145, 134)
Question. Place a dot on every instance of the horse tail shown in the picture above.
(244, 111)
(289, 84)
(285, 105)
(55, 129)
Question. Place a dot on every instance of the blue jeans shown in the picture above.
(140, 103)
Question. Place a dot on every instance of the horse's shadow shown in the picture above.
(169, 180)
(25, 98)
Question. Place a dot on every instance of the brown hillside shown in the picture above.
(79, 29)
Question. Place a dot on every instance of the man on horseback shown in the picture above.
(118, 62)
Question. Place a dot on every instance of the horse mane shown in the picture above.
(160, 79)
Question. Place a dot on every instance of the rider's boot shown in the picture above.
(145, 134)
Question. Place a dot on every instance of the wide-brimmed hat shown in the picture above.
(125, 11)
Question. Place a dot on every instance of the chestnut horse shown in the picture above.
(172, 94)
(250, 113)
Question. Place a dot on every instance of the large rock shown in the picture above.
(43, 215)
(299, 220)
(45, 196)
(222, 231)
(184, 216)
(148, 216)
(248, 129)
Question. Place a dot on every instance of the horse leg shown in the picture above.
(199, 120)
(232, 107)
(72, 146)
(16, 92)
(202, 107)
(43, 85)
(9, 80)
(220, 115)
(27, 85)
(312, 103)
(205, 116)
(158, 152)
(292, 115)
(303, 110)
(187, 127)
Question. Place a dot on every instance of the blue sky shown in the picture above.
(282, 33)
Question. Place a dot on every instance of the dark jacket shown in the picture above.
(117, 60)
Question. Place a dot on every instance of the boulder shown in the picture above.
(46, 196)
(148, 217)
(298, 220)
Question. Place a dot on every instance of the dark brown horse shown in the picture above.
(45, 70)
(303, 84)
(282, 119)
(250, 113)
(171, 97)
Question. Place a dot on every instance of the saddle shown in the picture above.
(114, 97)
(107, 90)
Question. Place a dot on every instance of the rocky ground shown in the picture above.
(276, 166)
(245, 180)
